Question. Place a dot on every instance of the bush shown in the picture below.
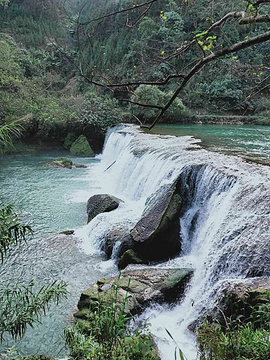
(100, 112)
(243, 343)
(242, 337)
(104, 336)
(152, 95)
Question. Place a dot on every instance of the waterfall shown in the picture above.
(224, 222)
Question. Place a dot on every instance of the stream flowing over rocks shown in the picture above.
(182, 207)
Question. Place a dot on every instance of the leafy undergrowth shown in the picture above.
(105, 335)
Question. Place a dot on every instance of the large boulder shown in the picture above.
(138, 288)
(81, 147)
(101, 203)
(156, 236)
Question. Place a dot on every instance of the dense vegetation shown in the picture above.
(52, 52)
(50, 57)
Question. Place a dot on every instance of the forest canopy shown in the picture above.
(210, 57)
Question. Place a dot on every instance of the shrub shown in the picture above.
(100, 112)
(152, 95)
(20, 305)
(104, 336)
(243, 337)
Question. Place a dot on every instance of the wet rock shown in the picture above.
(138, 288)
(80, 166)
(129, 257)
(62, 163)
(81, 147)
(156, 236)
(117, 234)
(239, 297)
(67, 232)
(100, 203)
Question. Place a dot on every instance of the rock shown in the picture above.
(69, 140)
(137, 287)
(156, 236)
(120, 238)
(100, 203)
(129, 257)
(62, 162)
(81, 147)
(238, 298)
(67, 232)
(80, 166)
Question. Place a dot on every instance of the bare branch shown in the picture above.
(142, 104)
(142, 15)
(200, 64)
(134, 7)
(255, 19)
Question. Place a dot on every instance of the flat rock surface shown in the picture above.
(137, 287)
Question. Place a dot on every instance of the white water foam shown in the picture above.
(227, 209)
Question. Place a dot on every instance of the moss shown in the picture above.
(129, 257)
(63, 162)
(81, 147)
(69, 140)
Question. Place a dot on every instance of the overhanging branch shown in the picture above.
(202, 62)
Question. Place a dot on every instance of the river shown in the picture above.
(231, 195)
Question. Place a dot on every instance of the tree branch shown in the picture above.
(200, 64)
(255, 19)
(134, 7)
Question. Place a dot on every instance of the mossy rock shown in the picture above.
(81, 147)
(69, 140)
(137, 288)
(63, 163)
(129, 257)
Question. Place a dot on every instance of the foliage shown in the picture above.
(245, 342)
(105, 335)
(11, 230)
(102, 112)
(7, 131)
(155, 48)
(245, 337)
(20, 305)
(153, 95)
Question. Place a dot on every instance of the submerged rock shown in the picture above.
(62, 162)
(79, 166)
(81, 147)
(138, 288)
(100, 203)
(67, 232)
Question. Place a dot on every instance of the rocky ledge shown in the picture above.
(138, 288)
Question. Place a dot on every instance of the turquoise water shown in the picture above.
(52, 199)
(248, 141)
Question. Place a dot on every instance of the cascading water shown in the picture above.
(224, 228)
(224, 223)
